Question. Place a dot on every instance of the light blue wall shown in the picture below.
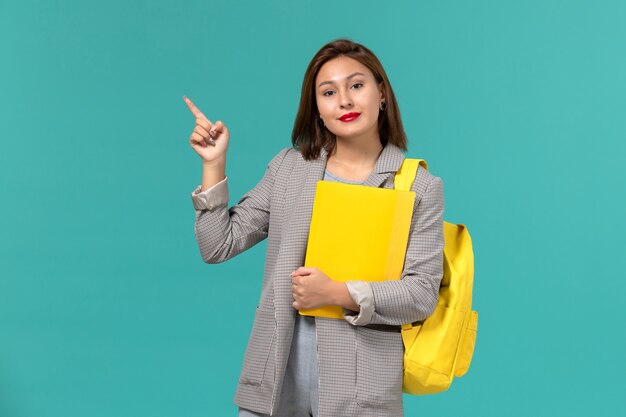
(106, 308)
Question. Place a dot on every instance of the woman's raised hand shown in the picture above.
(206, 133)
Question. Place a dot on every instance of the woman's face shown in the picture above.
(343, 85)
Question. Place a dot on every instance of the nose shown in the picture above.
(345, 100)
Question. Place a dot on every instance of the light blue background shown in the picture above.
(106, 308)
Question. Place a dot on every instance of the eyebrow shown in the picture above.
(347, 78)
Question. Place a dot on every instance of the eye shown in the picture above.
(361, 84)
(328, 91)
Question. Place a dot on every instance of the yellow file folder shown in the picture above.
(357, 232)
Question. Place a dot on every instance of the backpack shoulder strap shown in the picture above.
(404, 181)
(406, 174)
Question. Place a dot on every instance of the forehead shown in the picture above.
(337, 69)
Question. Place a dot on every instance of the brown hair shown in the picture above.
(308, 136)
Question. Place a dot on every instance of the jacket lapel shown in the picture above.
(389, 161)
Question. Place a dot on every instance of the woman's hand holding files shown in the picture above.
(312, 288)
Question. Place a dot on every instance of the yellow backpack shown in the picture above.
(441, 347)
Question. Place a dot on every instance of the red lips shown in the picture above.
(349, 116)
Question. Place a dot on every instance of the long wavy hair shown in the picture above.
(308, 136)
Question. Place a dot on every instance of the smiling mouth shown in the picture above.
(349, 117)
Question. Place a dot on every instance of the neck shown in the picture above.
(357, 152)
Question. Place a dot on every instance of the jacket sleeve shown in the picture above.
(223, 232)
(415, 296)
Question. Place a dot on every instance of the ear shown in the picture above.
(381, 90)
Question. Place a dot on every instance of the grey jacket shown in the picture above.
(360, 360)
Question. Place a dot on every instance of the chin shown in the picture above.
(348, 133)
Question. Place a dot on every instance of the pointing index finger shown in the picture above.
(194, 110)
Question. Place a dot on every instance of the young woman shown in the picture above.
(348, 128)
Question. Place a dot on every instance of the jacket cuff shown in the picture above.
(212, 197)
(363, 296)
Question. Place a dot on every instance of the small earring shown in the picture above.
(383, 106)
